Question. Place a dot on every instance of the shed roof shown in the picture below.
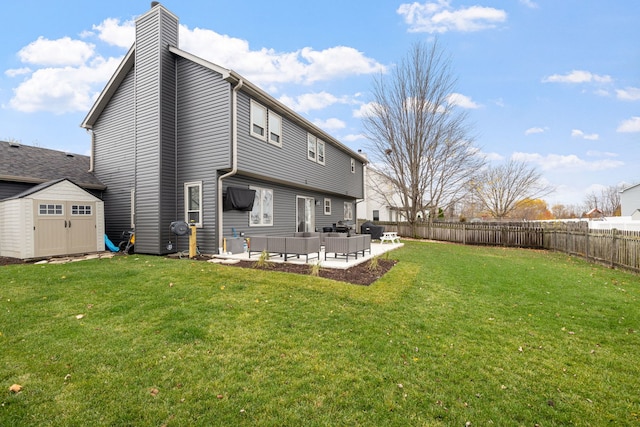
(28, 164)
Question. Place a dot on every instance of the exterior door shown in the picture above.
(50, 235)
(81, 230)
(64, 227)
(306, 214)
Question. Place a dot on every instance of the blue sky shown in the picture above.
(553, 83)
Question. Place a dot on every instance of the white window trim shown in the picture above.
(311, 143)
(187, 185)
(320, 143)
(53, 211)
(259, 190)
(353, 166)
(81, 210)
(252, 121)
(270, 131)
(327, 204)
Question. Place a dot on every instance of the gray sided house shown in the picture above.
(175, 137)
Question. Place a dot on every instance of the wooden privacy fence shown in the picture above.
(614, 248)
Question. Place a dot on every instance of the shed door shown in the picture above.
(81, 228)
(64, 227)
(50, 236)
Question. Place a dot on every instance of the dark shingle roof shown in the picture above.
(24, 163)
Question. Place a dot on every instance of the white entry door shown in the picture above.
(306, 214)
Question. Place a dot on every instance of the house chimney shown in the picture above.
(154, 4)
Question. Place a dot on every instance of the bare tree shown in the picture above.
(419, 139)
(607, 200)
(499, 188)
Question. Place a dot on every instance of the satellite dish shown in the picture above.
(179, 228)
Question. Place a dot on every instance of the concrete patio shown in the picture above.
(331, 262)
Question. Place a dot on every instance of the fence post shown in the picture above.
(586, 243)
(614, 247)
(464, 233)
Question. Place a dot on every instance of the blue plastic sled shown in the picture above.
(110, 245)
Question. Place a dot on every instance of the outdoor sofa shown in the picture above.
(345, 246)
(285, 245)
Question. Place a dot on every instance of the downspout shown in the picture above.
(93, 148)
(234, 156)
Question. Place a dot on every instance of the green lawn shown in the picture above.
(451, 335)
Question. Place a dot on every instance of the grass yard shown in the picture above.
(451, 335)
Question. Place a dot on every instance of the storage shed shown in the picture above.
(53, 218)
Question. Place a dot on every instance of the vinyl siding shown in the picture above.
(114, 157)
(204, 142)
(16, 228)
(289, 163)
(155, 130)
(10, 189)
(284, 209)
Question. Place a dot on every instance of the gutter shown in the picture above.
(234, 156)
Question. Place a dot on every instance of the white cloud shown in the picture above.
(112, 32)
(18, 71)
(311, 101)
(70, 73)
(630, 125)
(577, 76)
(63, 89)
(353, 137)
(534, 130)
(580, 134)
(61, 52)
(462, 101)
(594, 153)
(440, 17)
(495, 157)
(530, 4)
(566, 162)
(330, 124)
(266, 66)
(365, 110)
(628, 94)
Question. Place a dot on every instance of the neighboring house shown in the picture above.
(381, 201)
(23, 167)
(630, 200)
(173, 134)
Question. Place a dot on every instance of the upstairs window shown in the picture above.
(320, 148)
(315, 149)
(353, 166)
(258, 121)
(193, 203)
(311, 147)
(275, 129)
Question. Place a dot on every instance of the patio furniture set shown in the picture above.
(310, 243)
